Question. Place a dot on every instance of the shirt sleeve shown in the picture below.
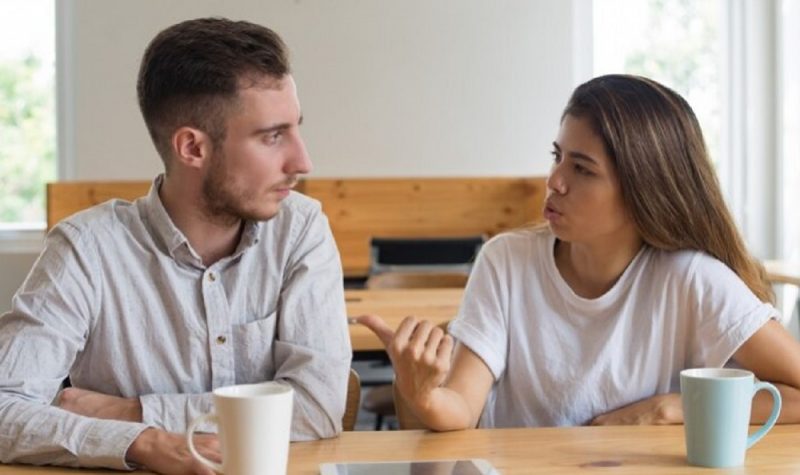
(312, 349)
(39, 339)
(482, 322)
(726, 311)
(174, 412)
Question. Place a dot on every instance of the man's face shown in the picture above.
(261, 157)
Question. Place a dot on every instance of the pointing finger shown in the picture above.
(378, 327)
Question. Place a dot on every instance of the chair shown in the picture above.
(416, 280)
(65, 198)
(448, 254)
(352, 401)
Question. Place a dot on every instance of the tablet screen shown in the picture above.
(438, 467)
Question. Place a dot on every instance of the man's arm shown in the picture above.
(39, 340)
(312, 348)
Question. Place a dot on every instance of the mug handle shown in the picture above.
(776, 409)
(190, 442)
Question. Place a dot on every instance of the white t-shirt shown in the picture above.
(559, 359)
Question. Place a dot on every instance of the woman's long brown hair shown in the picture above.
(667, 180)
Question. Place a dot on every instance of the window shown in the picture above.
(720, 56)
(27, 111)
(789, 150)
(675, 42)
(789, 125)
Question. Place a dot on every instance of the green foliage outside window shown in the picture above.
(681, 50)
(27, 140)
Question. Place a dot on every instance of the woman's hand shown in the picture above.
(420, 353)
(656, 410)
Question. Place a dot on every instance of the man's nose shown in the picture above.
(298, 162)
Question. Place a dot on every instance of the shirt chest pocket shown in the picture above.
(253, 349)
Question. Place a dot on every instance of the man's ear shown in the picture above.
(191, 147)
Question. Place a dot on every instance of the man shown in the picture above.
(220, 275)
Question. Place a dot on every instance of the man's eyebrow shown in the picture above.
(277, 127)
(272, 128)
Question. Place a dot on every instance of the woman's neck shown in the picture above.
(592, 269)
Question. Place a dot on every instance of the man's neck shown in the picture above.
(211, 239)
(591, 270)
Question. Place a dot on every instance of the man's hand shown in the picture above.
(101, 406)
(167, 453)
(657, 410)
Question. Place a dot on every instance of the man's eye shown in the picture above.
(274, 137)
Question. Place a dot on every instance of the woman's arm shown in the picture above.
(443, 393)
(773, 355)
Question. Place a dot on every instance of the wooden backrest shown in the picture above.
(416, 280)
(353, 401)
(65, 198)
(362, 208)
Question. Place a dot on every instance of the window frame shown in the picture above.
(750, 163)
(25, 238)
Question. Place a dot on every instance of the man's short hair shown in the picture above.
(191, 73)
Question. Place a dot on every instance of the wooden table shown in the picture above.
(783, 272)
(652, 450)
(393, 305)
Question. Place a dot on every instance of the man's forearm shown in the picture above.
(174, 412)
(41, 434)
(101, 406)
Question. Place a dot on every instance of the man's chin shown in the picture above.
(261, 214)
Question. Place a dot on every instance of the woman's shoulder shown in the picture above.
(692, 265)
(517, 242)
(521, 237)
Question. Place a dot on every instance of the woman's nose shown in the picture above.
(555, 181)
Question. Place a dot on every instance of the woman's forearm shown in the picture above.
(790, 410)
(444, 410)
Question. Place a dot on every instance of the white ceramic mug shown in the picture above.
(254, 424)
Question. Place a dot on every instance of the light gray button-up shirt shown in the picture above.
(120, 302)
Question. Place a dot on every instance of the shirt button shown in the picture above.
(212, 277)
(221, 339)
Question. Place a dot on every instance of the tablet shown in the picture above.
(407, 467)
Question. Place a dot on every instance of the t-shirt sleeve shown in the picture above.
(482, 321)
(726, 311)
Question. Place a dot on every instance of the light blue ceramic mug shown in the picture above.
(716, 414)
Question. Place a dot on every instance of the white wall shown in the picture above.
(388, 87)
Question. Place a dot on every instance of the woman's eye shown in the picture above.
(580, 169)
(556, 156)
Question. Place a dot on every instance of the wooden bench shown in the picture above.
(360, 208)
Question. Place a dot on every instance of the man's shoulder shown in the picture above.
(298, 206)
(106, 216)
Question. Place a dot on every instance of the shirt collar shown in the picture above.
(175, 242)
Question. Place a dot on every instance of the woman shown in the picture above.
(639, 274)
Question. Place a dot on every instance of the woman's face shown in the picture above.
(584, 201)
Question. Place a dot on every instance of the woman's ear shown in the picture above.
(191, 147)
